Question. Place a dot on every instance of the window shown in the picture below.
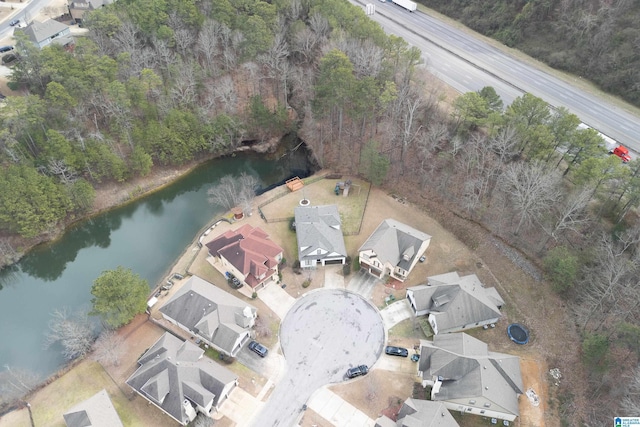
(482, 411)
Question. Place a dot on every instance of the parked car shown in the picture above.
(233, 281)
(258, 348)
(14, 22)
(396, 351)
(422, 258)
(357, 371)
(4, 49)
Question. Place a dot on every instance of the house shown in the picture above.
(45, 33)
(96, 411)
(394, 249)
(220, 319)
(249, 255)
(420, 413)
(455, 303)
(77, 9)
(319, 234)
(465, 376)
(175, 377)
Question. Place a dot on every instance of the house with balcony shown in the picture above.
(249, 254)
(393, 249)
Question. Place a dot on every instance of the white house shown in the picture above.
(319, 235)
(393, 249)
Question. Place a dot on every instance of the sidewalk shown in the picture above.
(338, 412)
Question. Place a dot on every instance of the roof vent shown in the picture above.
(486, 388)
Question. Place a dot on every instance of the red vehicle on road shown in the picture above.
(621, 152)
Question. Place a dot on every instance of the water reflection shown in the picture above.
(145, 235)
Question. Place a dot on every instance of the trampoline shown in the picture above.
(518, 333)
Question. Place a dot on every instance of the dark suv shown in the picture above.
(234, 282)
(357, 371)
(258, 348)
(396, 351)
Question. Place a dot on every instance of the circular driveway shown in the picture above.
(325, 332)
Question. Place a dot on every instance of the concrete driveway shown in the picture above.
(326, 332)
(396, 313)
(362, 283)
(277, 299)
(335, 410)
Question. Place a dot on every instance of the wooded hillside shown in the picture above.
(598, 40)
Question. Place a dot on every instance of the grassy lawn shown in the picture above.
(322, 192)
(80, 383)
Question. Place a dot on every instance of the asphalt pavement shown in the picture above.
(326, 332)
(463, 60)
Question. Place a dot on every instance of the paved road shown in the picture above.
(326, 332)
(468, 64)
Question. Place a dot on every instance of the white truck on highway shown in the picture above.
(407, 4)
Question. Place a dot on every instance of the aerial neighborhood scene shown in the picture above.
(278, 213)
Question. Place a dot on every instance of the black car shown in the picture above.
(234, 282)
(258, 348)
(396, 351)
(4, 49)
(14, 22)
(357, 371)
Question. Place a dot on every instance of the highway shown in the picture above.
(468, 64)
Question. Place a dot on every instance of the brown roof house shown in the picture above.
(77, 9)
(319, 236)
(217, 317)
(248, 254)
(45, 33)
(393, 248)
(420, 413)
(96, 411)
(453, 303)
(175, 377)
(466, 377)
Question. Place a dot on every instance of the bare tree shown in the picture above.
(15, 383)
(59, 168)
(631, 401)
(571, 215)
(505, 143)
(225, 92)
(609, 286)
(262, 328)
(109, 348)
(234, 191)
(208, 44)
(531, 190)
(73, 332)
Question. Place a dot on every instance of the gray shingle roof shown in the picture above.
(420, 413)
(319, 227)
(172, 370)
(214, 314)
(96, 411)
(468, 370)
(392, 240)
(38, 31)
(457, 301)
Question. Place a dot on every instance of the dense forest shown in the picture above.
(598, 40)
(164, 82)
